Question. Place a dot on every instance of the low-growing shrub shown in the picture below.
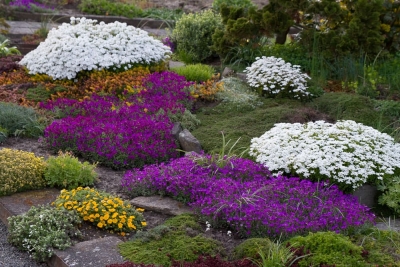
(346, 153)
(250, 248)
(19, 120)
(193, 34)
(60, 55)
(275, 78)
(381, 247)
(243, 196)
(102, 209)
(67, 172)
(43, 229)
(327, 248)
(216, 5)
(195, 72)
(20, 171)
(174, 244)
(130, 264)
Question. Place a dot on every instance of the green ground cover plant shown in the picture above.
(168, 242)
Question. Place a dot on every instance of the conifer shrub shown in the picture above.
(20, 171)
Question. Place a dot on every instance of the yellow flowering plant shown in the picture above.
(20, 171)
(102, 209)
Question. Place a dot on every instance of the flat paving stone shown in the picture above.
(20, 203)
(98, 252)
(160, 204)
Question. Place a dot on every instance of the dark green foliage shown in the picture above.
(383, 246)
(175, 240)
(216, 5)
(19, 120)
(251, 247)
(239, 123)
(327, 248)
(292, 53)
(353, 28)
(390, 25)
(345, 106)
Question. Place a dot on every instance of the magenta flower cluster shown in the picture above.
(121, 134)
(26, 4)
(244, 196)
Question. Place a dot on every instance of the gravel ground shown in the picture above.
(11, 256)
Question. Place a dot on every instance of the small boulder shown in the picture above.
(188, 142)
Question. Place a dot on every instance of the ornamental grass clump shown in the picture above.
(346, 153)
(84, 45)
(43, 229)
(20, 171)
(276, 78)
(101, 209)
(244, 196)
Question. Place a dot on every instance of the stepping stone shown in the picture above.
(97, 252)
(20, 203)
(164, 205)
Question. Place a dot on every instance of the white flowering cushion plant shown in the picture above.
(276, 77)
(85, 45)
(346, 153)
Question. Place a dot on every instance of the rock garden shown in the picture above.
(263, 122)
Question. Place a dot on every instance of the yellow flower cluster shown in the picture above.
(102, 209)
(20, 171)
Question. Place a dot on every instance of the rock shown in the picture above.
(366, 195)
(188, 142)
(241, 76)
(160, 204)
(176, 130)
(227, 72)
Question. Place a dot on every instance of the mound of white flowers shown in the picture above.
(275, 76)
(85, 45)
(345, 153)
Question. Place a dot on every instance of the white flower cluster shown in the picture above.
(85, 45)
(346, 153)
(274, 75)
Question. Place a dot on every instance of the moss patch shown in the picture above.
(175, 240)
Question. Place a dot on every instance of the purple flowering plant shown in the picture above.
(121, 133)
(245, 197)
(168, 42)
(28, 4)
